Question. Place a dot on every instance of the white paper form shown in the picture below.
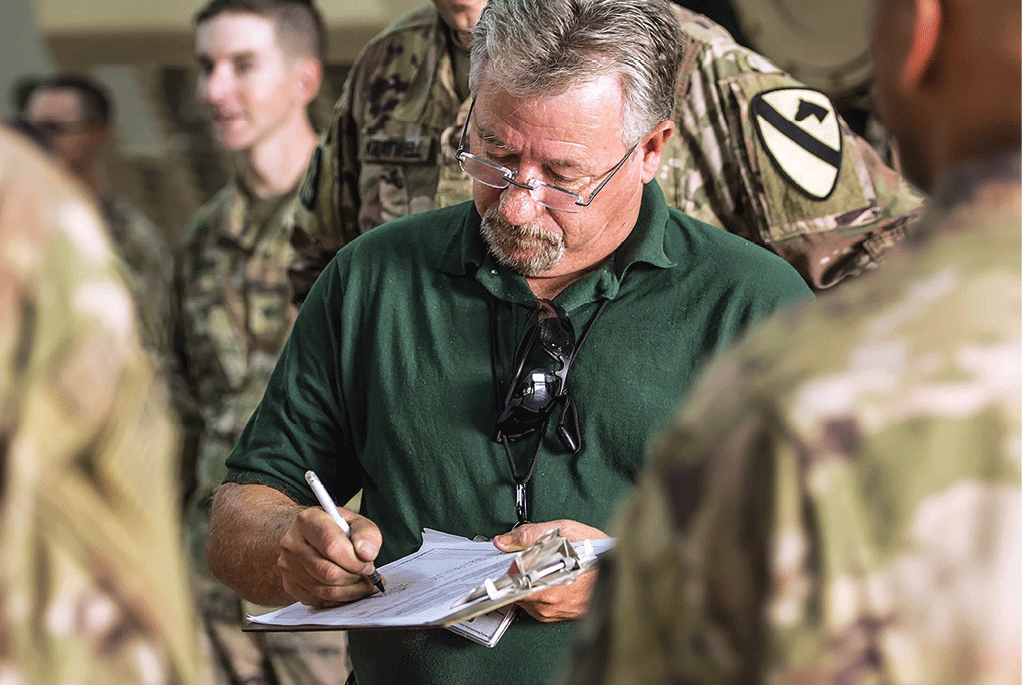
(421, 588)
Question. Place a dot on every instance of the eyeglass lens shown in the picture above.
(498, 177)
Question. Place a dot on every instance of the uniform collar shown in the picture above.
(238, 223)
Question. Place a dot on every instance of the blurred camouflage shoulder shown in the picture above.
(843, 518)
(92, 588)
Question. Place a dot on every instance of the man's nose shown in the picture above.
(216, 85)
(518, 205)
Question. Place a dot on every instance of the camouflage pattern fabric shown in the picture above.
(390, 137)
(92, 579)
(850, 518)
(399, 104)
(233, 316)
(149, 262)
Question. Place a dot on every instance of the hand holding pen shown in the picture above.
(328, 505)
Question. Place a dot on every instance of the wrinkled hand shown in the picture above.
(320, 566)
(562, 602)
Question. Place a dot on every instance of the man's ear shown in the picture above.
(310, 78)
(927, 22)
(652, 148)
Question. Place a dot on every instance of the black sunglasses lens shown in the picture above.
(529, 406)
(556, 334)
(537, 391)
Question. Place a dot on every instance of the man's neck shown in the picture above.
(274, 166)
(548, 287)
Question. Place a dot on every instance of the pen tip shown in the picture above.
(377, 580)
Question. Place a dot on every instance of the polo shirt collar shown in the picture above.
(466, 255)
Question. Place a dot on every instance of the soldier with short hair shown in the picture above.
(92, 583)
(259, 68)
(804, 186)
(74, 114)
(854, 517)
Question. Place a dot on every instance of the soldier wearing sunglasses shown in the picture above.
(75, 115)
(492, 368)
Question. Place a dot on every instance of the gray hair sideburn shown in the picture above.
(543, 48)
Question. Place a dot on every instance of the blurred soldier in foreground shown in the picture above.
(259, 68)
(854, 518)
(92, 584)
(74, 114)
(755, 151)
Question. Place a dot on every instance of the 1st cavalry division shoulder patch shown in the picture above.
(800, 131)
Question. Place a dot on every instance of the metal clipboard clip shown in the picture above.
(551, 560)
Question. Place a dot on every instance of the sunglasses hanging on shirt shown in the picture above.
(533, 397)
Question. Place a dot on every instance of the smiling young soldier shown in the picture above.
(403, 374)
(259, 68)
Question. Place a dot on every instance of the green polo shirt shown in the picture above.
(386, 385)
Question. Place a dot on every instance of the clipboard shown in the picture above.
(466, 586)
(551, 561)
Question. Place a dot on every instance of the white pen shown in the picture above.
(328, 505)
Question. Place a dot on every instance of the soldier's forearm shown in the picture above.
(247, 524)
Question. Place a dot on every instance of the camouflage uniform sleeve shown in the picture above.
(762, 156)
(325, 216)
(156, 269)
(92, 585)
(181, 379)
(147, 259)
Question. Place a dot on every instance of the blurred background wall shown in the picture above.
(162, 157)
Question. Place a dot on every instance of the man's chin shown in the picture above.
(529, 255)
(527, 262)
(230, 139)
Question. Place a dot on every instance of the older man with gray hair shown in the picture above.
(429, 366)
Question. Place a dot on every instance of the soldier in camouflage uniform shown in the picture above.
(855, 518)
(392, 138)
(74, 115)
(92, 582)
(259, 68)
(755, 152)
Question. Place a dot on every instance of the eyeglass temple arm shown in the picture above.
(606, 179)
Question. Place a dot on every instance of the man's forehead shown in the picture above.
(54, 102)
(235, 33)
(585, 117)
